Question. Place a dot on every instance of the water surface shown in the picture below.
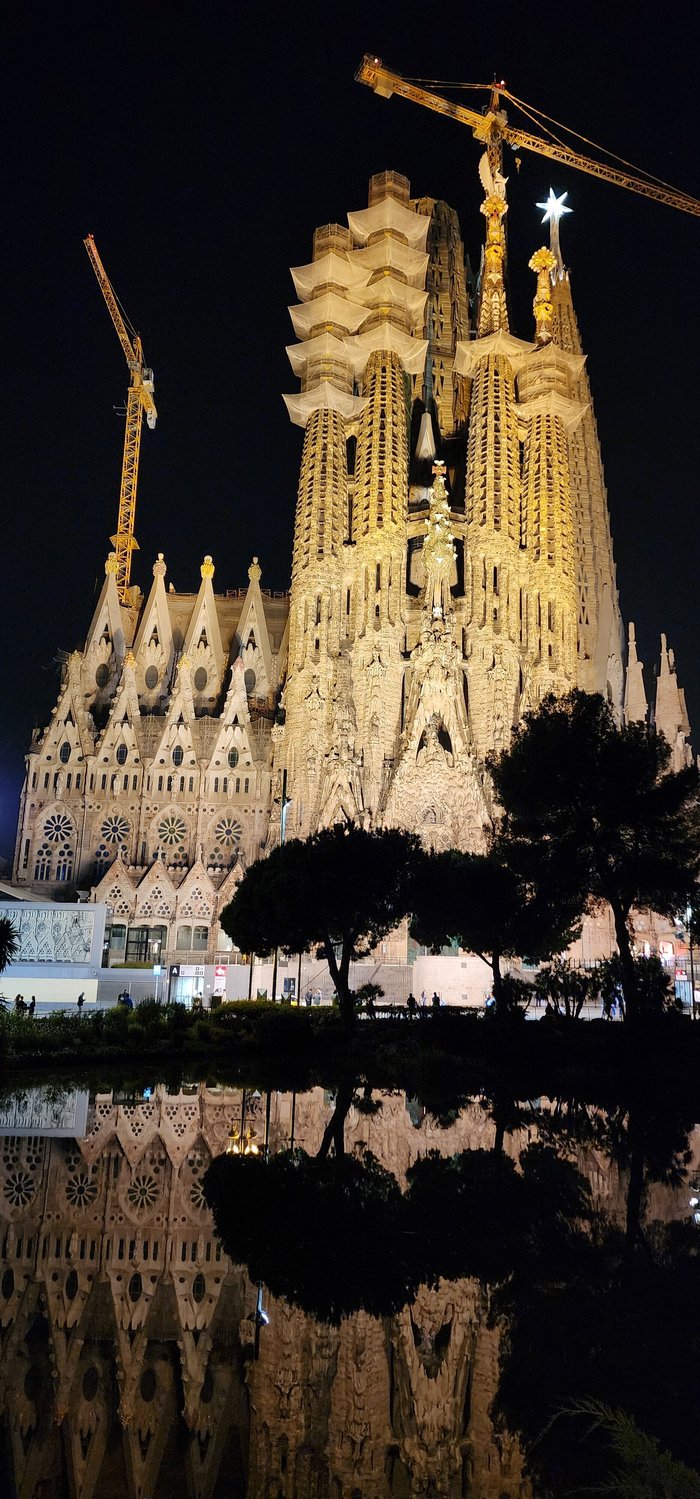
(408, 1296)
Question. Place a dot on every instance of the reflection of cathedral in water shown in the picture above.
(128, 1342)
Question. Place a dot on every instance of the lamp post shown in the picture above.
(286, 804)
(689, 929)
(155, 955)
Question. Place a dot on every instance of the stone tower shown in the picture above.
(452, 558)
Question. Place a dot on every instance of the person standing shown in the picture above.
(81, 1002)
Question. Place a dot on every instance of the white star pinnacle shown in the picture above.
(554, 208)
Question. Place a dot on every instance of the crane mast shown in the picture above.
(139, 399)
(492, 128)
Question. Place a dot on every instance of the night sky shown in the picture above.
(202, 159)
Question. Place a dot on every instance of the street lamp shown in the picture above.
(689, 929)
(286, 804)
(155, 955)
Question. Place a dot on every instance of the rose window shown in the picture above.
(142, 1192)
(80, 1190)
(172, 830)
(57, 827)
(115, 828)
(19, 1188)
(228, 832)
(197, 1197)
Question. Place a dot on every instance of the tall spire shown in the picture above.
(548, 413)
(599, 623)
(493, 311)
(543, 262)
(635, 696)
(670, 714)
(438, 548)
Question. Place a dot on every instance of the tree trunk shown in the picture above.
(340, 974)
(635, 1190)
(624, 947)
(497, 983)
(334, 1133)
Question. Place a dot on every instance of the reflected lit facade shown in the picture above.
(129, 1363)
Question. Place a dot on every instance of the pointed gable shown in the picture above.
(255, 649)
(124, 722)
(154, 647)
(196, 895)
(233, 748)
(116, 889)
(105, 644)
(203, 639)
(176, 750)
(155, 894)
(69, 723)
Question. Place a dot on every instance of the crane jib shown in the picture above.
(491, 126)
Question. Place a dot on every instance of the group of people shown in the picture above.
(124, 999)
(22, 1008)
(412, 1003)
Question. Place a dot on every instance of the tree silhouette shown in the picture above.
(592, 811)
(9, 942)
(490, 909)
(341, 891)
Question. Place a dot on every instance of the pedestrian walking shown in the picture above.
(32, 1005)
(81, 1002)
(411, 1004)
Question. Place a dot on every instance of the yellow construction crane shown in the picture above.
(492, 129)
(139, 399)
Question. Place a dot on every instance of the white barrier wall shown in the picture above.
(60, 952)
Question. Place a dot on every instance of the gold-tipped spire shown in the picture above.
(543, 262)
(493, 313)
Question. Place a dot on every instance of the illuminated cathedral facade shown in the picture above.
(452, 563)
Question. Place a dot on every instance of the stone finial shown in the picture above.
(255, 571)
(111, 565)
(129, 661)
(207, 568)
(159, 567)
(184, 664)
(543, 262)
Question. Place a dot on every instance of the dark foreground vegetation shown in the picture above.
(386, 1046)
